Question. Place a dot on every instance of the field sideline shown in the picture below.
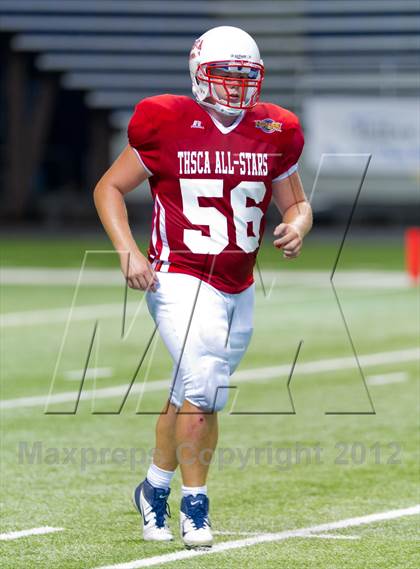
(319, 479)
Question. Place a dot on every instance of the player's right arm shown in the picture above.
(125, 174)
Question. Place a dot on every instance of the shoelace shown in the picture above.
(198, 514)
(161, 509)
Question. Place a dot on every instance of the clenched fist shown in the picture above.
(289, 239)
(138, 271)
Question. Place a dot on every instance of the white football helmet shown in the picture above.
(214, 56)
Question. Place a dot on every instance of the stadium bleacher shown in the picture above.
(118, 52)
(106, 55)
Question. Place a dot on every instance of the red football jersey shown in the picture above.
(211, 184)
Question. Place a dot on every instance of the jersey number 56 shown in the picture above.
(217, 222)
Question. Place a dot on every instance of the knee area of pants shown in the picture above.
(211, 401)
(220, 398)
(210, 389)
(175, 400)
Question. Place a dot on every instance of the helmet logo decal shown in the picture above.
(268, 125)
(196, 48)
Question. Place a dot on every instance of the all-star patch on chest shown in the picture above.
(268, 125)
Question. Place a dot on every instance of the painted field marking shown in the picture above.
(330, 536)
(113, 277)
(347, 279)
(78, 314)
(44, 276)
(242, 376)
(58, 315)
(386, 378)
(267, 538)
(321, 536)
(236, 533)
(91, 373)
(27, 532)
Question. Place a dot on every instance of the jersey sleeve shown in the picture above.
(143, 134)
(290, 151)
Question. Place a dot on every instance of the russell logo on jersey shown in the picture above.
(197, 124)
(268, 125)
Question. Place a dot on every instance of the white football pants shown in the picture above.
(206, 332)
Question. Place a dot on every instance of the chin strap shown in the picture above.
(221, 109)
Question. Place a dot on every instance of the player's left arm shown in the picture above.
(290, 199)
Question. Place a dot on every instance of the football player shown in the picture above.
(214, 162)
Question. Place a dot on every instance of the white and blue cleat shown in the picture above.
(152, 504)
(195, 524)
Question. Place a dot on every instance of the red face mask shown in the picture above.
(239, 91)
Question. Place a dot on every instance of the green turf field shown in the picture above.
(317, 254)
(275, 471)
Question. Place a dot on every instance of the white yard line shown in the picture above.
(333, 364)
(267, 538)
(113, 277)
(329, 536)
(60, 277)
(101, 393)
(27, 532)
(242, 376)
(236, 533)
(54, 315)
(386, 378)
(91, 373)
(314, 535)
(346, 279)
